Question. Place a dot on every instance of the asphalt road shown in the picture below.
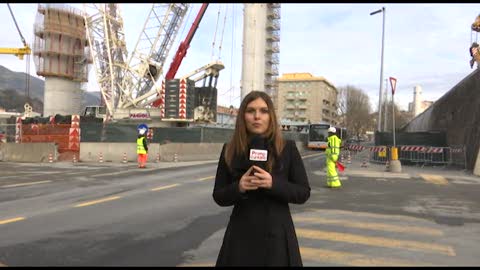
(118, 215)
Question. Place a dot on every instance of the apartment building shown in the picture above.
(303, 97)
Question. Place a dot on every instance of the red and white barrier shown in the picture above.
(356, 147)
(434, 150)
(408, 148)
(376, 149)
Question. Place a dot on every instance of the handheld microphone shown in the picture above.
(258, 152)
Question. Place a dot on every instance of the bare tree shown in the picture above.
(401, 117)
(354, 108)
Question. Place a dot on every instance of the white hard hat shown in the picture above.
(142, 131)
(332, 130)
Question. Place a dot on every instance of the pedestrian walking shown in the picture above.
(260, 231)
(142, 147)
(332, 153)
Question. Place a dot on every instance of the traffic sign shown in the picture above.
(393, 83)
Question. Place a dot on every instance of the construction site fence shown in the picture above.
(98, 132)
(454, 155)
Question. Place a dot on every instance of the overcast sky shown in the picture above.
(425, 44)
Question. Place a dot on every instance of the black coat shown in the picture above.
(261, 231)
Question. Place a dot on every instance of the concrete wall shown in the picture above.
(458, 114)
(114, 152)
(27, 152)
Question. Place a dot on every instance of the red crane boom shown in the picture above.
(182, 49)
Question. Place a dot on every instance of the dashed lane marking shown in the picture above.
(5, 221)
(206, 178)
(112, 173)
(312, 155)
(371, 226)
(347, 258)
(164, 187)
(375, 241)
(435, 179)
(26, 184)
(97, 201)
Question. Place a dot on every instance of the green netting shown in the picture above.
(97, 132)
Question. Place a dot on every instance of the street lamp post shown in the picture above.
(381, 70)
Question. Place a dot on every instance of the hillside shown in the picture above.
(12, 91)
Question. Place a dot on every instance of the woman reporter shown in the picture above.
(260, 231)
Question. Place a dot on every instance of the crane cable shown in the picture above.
(215, 35)
(27, 73)
(231, 54)
(223, 31)
(18, 29)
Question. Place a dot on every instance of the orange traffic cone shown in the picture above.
(124, 157)
(50, 157)
(100, 157)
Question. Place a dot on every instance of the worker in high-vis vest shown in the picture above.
(332, 153)
(142, 148)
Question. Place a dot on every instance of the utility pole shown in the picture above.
(381, 70)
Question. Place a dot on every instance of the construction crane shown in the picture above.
(106, 38)
(182, 50)
(125, 80)
(145, 65)
(131, 88)
(20, 53)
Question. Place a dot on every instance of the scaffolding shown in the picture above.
(60, 47)
(272, 50)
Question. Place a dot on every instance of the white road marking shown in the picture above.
(25, 184)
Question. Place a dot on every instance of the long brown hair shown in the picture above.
(238, 145)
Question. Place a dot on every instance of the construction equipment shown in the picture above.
(145, 65)
(106, 38)
(127, 84)
(131, 89)
(474, 48)
(182, 51)
(20, 53)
